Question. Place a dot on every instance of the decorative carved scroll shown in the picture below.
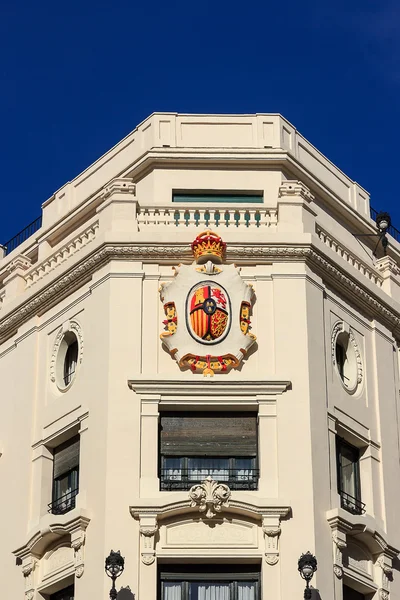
(147, 535)
(210, 497)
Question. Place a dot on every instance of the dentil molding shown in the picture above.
(167, 254)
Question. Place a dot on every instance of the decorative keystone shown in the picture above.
(210, 497)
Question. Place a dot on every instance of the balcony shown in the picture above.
(64, 503)
(351, 504)
(184, 479)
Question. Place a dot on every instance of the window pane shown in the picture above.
(200, 468)
(349, 460)
(173, 469)
(209, 591)
(172, 591)
(246, 590)
(243, 469)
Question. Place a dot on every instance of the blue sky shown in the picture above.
(76, 77)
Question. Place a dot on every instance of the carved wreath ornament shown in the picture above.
(207, 310)
(210, 497)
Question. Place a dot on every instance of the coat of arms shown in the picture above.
(213, 305)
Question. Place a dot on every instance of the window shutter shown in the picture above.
(212, 434)
(66, 456)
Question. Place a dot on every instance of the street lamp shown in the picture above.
(307, 566)
(383, 222)
(114, 567)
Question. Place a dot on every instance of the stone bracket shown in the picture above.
(272, 531)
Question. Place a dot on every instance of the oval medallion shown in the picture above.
(208, 312)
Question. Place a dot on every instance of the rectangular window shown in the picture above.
(210, 197)
(65, 594)
(213, 582)
(65, 477)
(350, 594)
(195, 445)
(348, 475)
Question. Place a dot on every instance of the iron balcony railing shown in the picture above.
(392, 230)
(23, 235)
(351, 504)
(183, 479)
(64, 503)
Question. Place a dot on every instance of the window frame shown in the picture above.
(209, 574)
(359, 506)
(185, 483)
(60, 595)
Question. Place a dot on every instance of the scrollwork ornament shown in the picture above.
(337, 569)
(383, 594)
(210, 497)
(148, 559)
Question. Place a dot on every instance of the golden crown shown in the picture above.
(208, 246)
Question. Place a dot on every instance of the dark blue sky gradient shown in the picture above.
(76, 77)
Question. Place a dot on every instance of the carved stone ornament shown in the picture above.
(165, 253)
(210, 497)
(272, 531)
(339, 544)
(147, 536)
(75, 327)
(77, 543)
(28, 567)
(337, 329)
(208, 310)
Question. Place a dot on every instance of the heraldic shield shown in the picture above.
(209, 311)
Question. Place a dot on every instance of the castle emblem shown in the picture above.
(214, 334)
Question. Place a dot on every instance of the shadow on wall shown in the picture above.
(125, 594)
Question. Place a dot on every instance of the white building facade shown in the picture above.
(261, 423)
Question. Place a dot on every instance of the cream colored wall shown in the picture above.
(118, 308)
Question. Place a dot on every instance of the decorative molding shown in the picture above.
(272, 531)
(65, 252)
(21, 262)
(49, 530)
(147, 537)
(153, 508)
(338, 328)
(119, 185)
(75, 327)
(29, 565)
(80, 273)
(339, 545)
(210, 497)
(367, 270)
(291, 188)
(77, 543)
(193, 387)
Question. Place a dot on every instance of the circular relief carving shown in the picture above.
(67, 355)
(346, 357)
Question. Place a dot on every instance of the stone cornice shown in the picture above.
(176, 387)
(150, 507)
(167, 254)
